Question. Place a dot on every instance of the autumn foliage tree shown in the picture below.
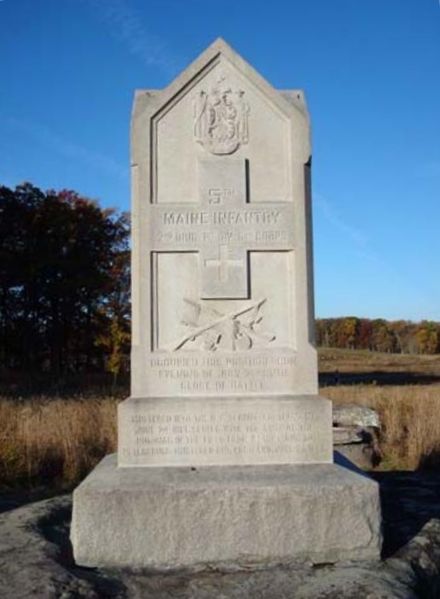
(115, 314)
(61, 257)
(400, 336)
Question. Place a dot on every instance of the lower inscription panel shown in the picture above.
(213, 431)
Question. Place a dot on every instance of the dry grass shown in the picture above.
(363, 361)
(410, 417)
(54, 442)
(410, 414)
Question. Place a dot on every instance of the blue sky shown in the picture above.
(371, 73)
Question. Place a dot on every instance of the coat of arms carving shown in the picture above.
(221, 119)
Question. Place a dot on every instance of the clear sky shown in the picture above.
(371, 73)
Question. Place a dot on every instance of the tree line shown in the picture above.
(397, 336)
(64, 291)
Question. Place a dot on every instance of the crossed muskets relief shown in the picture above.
(236, 330)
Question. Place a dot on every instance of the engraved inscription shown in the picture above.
(222, 432)
(221, 217)
(188, 240)
(263, 432)
(217, 195)
(223, 228)
(221, 118)
(211, 330)
(222, 372)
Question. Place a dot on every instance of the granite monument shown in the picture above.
(224, 447)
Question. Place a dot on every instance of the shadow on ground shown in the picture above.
(409, 501)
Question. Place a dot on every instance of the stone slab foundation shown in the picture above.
(184, 517)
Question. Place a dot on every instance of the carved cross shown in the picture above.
(223, 227)
(223, 263)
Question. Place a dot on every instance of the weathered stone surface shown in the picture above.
(36, 559)
(224, 446)
(29, 564)
(209, 431)
(221, 207)
(356, 434)
(345, 435)
(169, 517)
(360, 446)
(354, 415)
(360, 454)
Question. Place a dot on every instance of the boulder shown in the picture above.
(356, 434)
(354, 415)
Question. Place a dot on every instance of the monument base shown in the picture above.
(183, 517)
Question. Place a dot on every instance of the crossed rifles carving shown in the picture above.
(243, 332)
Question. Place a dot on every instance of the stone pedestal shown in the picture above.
(225, 447)
(183, 516)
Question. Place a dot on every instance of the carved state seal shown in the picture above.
(221, 119)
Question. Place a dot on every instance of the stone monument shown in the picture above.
(225, 447)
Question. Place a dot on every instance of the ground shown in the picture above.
(36, 558)
(50, 443)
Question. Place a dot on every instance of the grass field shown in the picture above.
(53, 441)
(404, 389)
(379, 368)
(56, 441)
